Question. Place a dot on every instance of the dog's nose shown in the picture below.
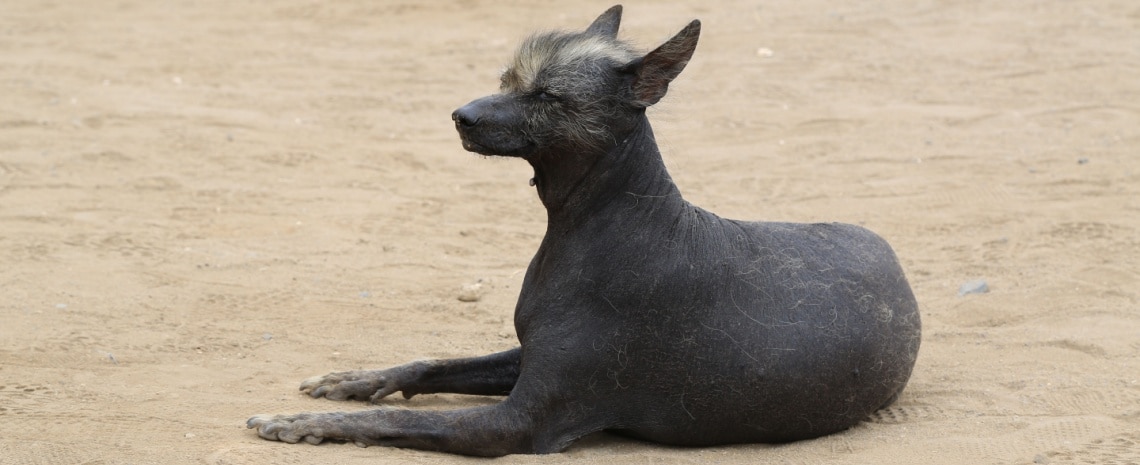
(464, 117)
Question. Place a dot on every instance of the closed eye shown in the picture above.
(546, 96)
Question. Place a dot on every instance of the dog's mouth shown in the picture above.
(477, 148)
(520, 151)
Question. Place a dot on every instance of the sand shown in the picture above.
(204, 202)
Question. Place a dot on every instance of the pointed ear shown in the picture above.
(653, 72)
(607, 24)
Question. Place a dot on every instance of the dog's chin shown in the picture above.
(521, 151)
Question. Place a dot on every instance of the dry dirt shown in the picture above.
(204, 202)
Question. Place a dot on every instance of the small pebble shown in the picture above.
(471, 292)
(189, 435)
(1082, 161)
(1041, 459)
(763, 52)
(266, 336)
(974, 287)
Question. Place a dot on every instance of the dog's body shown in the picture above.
(641, 313)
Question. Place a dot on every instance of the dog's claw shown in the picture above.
(265, 428)
(313, 382)
(319, 392)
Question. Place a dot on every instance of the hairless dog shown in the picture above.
(642, 314)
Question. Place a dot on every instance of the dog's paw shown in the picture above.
(345, 385)
(287, 428)
(371, 385)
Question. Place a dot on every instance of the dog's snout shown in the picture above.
(465, 117)
(492, 125)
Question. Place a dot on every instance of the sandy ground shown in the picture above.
(204, 202)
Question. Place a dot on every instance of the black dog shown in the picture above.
(642, 314)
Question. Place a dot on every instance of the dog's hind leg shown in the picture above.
(493, 374)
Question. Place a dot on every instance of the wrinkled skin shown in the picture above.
(641, 313)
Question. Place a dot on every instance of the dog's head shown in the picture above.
(572, 91)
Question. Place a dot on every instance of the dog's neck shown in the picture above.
(573, 186)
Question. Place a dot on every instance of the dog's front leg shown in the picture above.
(493, 374)
(484, 431)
